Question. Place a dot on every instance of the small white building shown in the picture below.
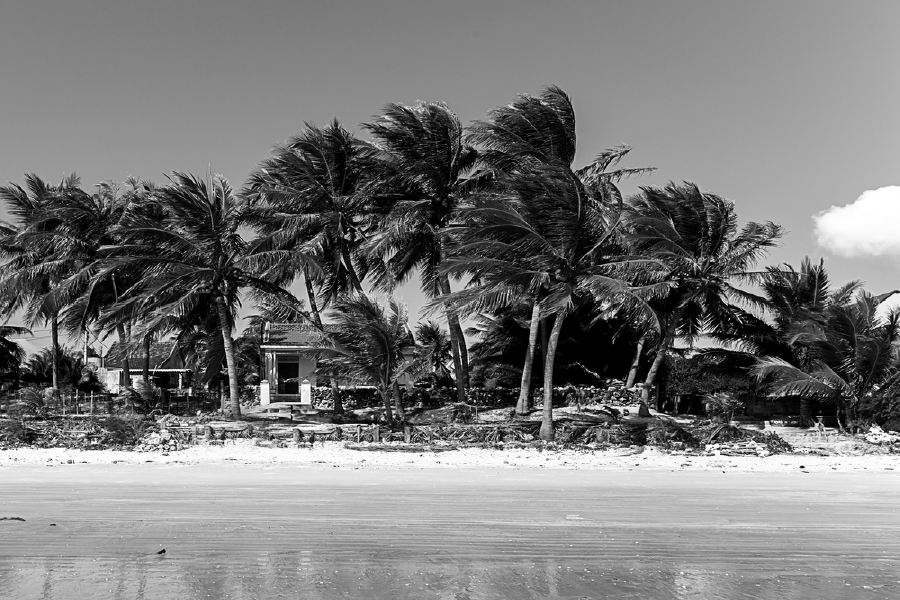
(285, 367)
(166, 369)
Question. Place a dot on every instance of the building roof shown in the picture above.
(161, 357)
(294, 335)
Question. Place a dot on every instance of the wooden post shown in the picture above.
(376, 433)
(358, 433)
(92, 403)
(298, 437)
(406, 433)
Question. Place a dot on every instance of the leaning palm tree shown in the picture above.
(551, 242)
(425, 168)
(371, 344)
(310, 204)
(532, 137)
(705, 256)
(308, 199)
(848, 355)
(193, 261)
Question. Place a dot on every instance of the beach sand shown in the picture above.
(334, 454)
(239, 521)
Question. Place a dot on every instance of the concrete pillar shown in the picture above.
(305, 392)
(265, 396)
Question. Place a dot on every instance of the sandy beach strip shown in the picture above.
(336, 455)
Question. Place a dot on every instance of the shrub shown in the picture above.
(124, 431)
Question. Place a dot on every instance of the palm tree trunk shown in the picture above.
(545, 337)
(126, 365)
(454, 342)
(463, 351)
(635, 364)
(145, 372)
(665, 342)
(398, 402)
(337, 405)
(54, 337)
(225, 323)
(547, 430)
(523, 406)
(388, 415)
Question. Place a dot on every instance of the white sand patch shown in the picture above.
(335, 455)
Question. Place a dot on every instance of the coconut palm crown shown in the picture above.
(706, 257)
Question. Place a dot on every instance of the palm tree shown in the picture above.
(532, 137)
(424, 168)
(848, 355)
(549, 241)
(371, 344)
(11, 353)
(68, 365)
(793, 298)
(695, 235)
(192, 262)
(34, 263)
(435, 342)
(311, 206)
(87, 224)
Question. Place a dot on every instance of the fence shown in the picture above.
(103, 403)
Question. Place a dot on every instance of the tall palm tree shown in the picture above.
(87, 224)
(192, 260)
(705, 256)
(424, 167)
(310, 204)
(551, 242)
(370, 344)
(848, 355)
(534, 137)
(308, 199)
(34, 262)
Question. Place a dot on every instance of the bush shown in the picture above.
(723, 406)
(124, 431)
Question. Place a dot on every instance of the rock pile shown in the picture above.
(159, 441)
(613, 394)
(748, 448)
(877, 435)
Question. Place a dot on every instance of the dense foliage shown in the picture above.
(563, 279)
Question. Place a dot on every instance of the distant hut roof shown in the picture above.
(161, 357)
(292, 335)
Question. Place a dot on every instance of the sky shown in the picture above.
(788, 108)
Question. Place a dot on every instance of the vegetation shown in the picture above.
(563, 279)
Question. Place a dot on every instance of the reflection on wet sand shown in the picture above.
(420, 534)
(270, 576)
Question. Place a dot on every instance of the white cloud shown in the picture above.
(870, 226)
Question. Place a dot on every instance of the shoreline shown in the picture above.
(331, 455)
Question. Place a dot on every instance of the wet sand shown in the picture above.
(234, 530)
